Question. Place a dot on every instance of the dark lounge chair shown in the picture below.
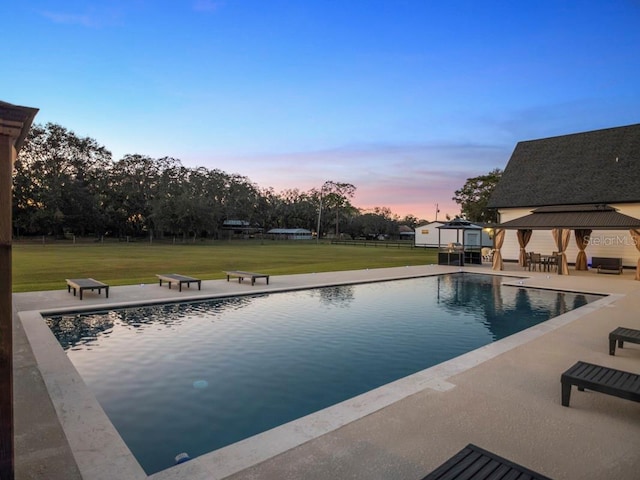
(81, 284)
(607, 264)
(475, 463)
(622, 335)
(241, 275)
(600, 379)
(179, 279)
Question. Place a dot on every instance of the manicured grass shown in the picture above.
(44, 267)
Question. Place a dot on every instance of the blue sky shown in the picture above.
(405, 99)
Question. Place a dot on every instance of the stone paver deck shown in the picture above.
(504, 397)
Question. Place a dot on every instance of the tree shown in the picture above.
(474, 196)
(58, 182)
(410, 221)
(133, 186)
(380, 222)
(333, 200)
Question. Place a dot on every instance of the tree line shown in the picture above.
(70, 185)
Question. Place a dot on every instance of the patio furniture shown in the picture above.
(475, 463)
(241, 275)
(600, 379)
(81, 284)
(607, 264)
(622, 335)
(535, 262)
(179, 279)
(487, 254)
(551, 262)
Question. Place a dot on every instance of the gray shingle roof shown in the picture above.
(601, 166)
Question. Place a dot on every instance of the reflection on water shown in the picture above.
(71, 330)
(338, 296)
(506, 309)
(83, 328)
(195, 377)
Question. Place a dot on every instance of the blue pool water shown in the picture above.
(196, 377)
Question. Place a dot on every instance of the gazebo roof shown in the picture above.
(16, 119)
(593, 217)
(459, 224)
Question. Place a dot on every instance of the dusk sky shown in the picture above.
(405, 99)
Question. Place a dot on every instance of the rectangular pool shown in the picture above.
(195, 377)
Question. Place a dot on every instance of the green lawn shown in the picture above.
(44, 267)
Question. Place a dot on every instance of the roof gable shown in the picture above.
(601, 166)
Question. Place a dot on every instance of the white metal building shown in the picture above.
(427, 236)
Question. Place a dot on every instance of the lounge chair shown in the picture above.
(600, 379)
(607, 265)
(622, 335)
(179, 279)
(241, 275)
(81, 284)
(475, 463)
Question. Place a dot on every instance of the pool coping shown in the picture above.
(101, 453)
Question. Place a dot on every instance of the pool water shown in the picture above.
(195, 377)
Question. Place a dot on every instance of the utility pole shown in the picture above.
(324, 185)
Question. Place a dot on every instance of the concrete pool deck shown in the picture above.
(504, 397)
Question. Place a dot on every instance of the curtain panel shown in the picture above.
(497, 256)
(523, 239)
(635, 234)
(561, 237)
(582, 240)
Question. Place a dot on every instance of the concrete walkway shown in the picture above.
(504, 397)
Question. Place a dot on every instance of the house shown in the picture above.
(431, 235)
(239, 228)
(588, 183)
(405, 232)
(290, 234)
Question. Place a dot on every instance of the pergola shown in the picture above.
(15, 123)
(583, 219)
(448, 257)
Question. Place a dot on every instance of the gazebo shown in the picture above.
(560, 220)
(458, 253)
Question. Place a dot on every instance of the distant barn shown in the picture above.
(289, 234)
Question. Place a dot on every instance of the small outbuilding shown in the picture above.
(289, 234)
(431, 235)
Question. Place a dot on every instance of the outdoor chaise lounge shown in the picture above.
(600, 379)
(242, 275)
(475, 463)
(622, 335)
(179, 279)
(607, 265)
(82, 284)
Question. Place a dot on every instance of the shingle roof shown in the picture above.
(601, 166)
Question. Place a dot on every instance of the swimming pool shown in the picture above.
(199, 376)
